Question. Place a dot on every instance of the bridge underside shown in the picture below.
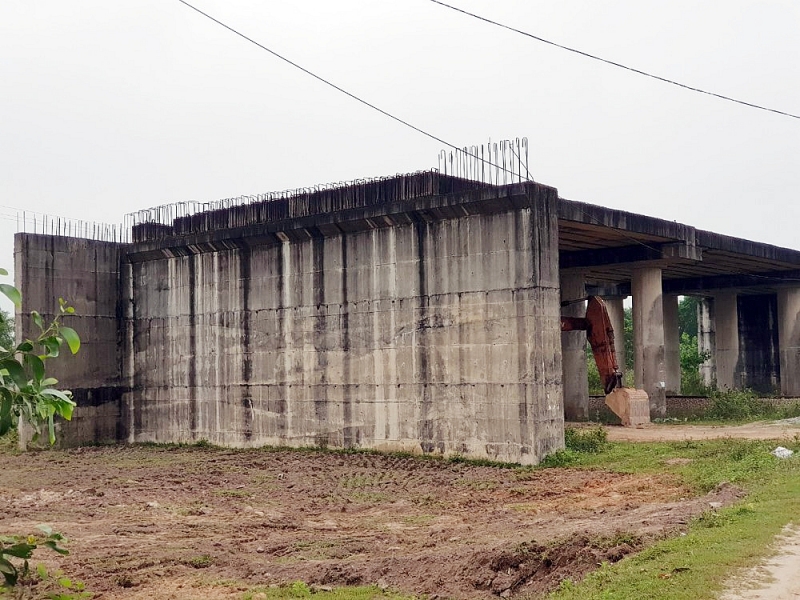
(749, 300)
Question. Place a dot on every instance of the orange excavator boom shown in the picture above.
(631, 405)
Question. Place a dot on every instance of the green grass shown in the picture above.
(9, 442)
(697, 564)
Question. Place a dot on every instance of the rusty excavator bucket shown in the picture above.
(632, 406)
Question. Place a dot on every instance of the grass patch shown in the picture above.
(233, 493)
(299, 589)
(697, 564)
(577, 442)
(743, 406)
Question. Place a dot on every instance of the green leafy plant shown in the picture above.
(735, 404)
(692, 383)
(16, 550)
(25, 390)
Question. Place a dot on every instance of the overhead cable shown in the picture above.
(612, 63)
(331, 84)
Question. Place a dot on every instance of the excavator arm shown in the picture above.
(600, 335)
(631, 405)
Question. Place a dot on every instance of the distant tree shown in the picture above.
(6, 329)
(687, 316)
(628, 340)
(691, 357)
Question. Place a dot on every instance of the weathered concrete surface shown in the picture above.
(616, 312)
(759, 362)
(573, 350)
(86, 274)
(429, 334)
(672, 344)
(726, 336)
(707, 339)
(648, 335)
(789, 340)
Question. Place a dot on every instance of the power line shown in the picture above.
(438, 139)
(612, 63)
(336, 87)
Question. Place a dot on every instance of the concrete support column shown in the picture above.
(672, 345)
(616, 312)
(706, 339)
(726, 326)
(789, 340)
(648, 336)
(573, 351)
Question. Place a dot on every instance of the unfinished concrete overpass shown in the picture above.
(750, 297)
(417, 312)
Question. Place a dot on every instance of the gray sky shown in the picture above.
(107, 107)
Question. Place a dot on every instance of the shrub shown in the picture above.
(590, 441)
(736, 404)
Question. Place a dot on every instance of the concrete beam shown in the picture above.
(634, 253)
(789, 340)
(573, 351)
(648, 332)
(768, 279)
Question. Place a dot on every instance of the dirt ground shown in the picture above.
(763, 430)
(147, 522)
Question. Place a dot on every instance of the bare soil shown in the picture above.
(154, 522)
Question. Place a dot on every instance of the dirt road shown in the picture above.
(777, 579)
(766, 430)
(207, 523)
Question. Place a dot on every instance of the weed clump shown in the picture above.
(577, 442)
(743, 405)
(590, 441)
(735, 404)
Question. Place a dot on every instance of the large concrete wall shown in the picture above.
(429, 333)
(86, 274)
(434, 332)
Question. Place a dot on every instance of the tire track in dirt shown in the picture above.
(149, 522)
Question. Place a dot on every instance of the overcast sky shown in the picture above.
(107, 107)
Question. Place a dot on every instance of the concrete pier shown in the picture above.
(616, 312)
(395, 315)
(789, 340)
(86, 273)
(573, 351)
(672, 344)
(706, 340)
(726, 336)
(648, 333)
